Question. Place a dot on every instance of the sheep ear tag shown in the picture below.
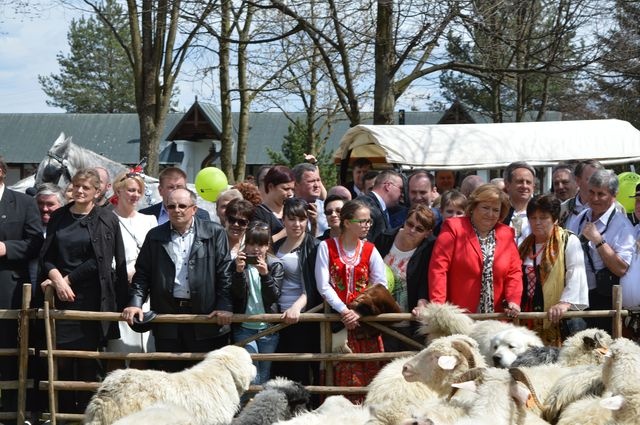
(522, 395)
(612, 403)
(447, 362)
(466, 385)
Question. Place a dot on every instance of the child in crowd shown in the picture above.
(453, 204)
(255, 289)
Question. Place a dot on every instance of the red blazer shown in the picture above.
(456, 266)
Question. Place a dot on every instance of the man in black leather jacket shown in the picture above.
(184, 265)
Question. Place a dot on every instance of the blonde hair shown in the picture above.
(121, 180)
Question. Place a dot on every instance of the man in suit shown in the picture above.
(519, 183)
(386, 193)
(20, 241)
(184, 265)
(171, 178)
(360, 168)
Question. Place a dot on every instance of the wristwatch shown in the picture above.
(602, 242)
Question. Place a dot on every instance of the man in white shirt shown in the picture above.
(607, 239)
(519, 183)
(572, 207)
(308, 186)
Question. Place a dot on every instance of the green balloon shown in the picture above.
(391, 280)
(210, 182)
(627, 188)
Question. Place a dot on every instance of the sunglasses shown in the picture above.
(183, 207)
(330, 211)
(237, 221)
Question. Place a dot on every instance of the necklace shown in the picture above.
(350, 260)
(77, 217)
(535, 253)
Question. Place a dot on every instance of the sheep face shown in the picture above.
(438, 365)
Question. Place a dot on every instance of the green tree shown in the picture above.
(295, 146)
(618, 84)
(95, 77)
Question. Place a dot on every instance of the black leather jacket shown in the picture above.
(270, 285)
(209, 276)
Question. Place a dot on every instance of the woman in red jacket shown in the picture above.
(475, 262)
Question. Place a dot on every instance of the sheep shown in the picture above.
(584, 353)
(447, 319)
(280, 399)
(585, 347)
(586, 411)
(403, 385)
(335, 410)
(210, 390)
(157, 414)
(501, 397)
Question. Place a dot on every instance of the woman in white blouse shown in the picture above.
(128, 188)
(554, 275)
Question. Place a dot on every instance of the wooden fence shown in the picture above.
(51, 385)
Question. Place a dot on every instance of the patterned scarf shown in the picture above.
(488, 247)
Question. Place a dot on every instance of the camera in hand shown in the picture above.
(251, 259)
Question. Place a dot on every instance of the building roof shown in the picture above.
(25, 138)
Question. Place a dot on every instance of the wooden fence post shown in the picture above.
(23, 350)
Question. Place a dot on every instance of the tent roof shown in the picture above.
(484, 146)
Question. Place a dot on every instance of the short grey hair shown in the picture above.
(508, 172)
(304, 167)
(605, 179)
(47, 189)
(230, 194)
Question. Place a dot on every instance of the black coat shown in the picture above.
(21, 233)
(417, 268)
(209, 276)
(270, 285)
(106, 242)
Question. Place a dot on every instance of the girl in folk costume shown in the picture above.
(554, 275)
(346, 266)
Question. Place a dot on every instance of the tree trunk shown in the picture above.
(383, 96)
(226, 140)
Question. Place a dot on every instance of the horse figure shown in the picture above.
(65, 158)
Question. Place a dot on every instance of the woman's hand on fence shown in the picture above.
(350, 319)
(222, 317)
(63, 289)
(291, 315)
(512, 309)
(557, 311)
(422, 303)
(130, 312)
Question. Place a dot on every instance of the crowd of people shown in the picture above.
(286, 244)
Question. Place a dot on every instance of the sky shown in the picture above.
(28, 48)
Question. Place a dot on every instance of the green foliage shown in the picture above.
(96, 76)
(294, 147)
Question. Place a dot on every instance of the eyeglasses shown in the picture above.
(237, 221)
(395, 185)
(361, 221)
(409, 225)
(182, 207)
(330, 211)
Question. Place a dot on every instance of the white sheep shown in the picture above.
(402, 386)
(210, 390)
(335, 410)
(158, 414)
(446, 319)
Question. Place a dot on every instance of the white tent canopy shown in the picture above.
(485, 146)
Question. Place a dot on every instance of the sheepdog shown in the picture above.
(508, 344)
(210, 391)
(158, 414)
(440, 320)
(280, 400)
(336, 409)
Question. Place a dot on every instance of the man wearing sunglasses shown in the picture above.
(184, 265)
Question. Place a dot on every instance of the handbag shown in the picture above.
(605, 281)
